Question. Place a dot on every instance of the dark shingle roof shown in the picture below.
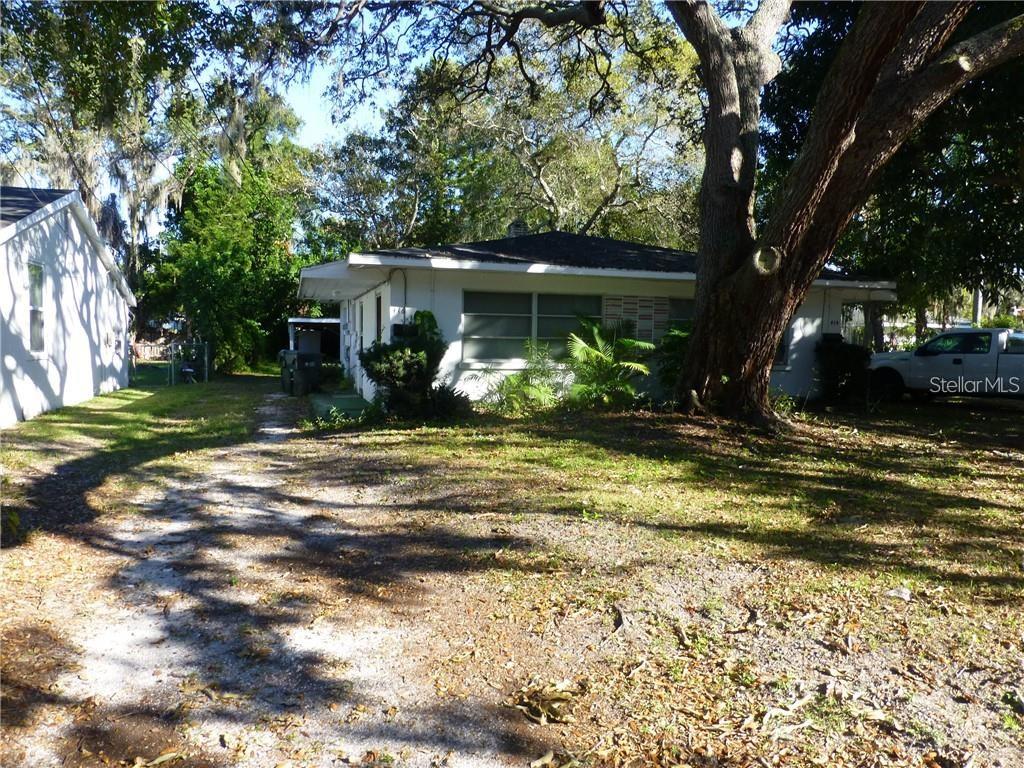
(565, 249)
(18, 202)
(561, 249)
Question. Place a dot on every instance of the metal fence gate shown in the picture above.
(155, 365)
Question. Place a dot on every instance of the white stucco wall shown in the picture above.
(85, 322)
(441, 292)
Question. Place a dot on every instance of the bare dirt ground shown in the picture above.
(301, 600)
(233, 615)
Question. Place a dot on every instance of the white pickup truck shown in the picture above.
(965, 361)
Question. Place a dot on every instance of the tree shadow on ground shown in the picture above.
(260, 589)
(242, 572)
(899, 492)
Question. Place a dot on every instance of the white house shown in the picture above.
(490, 297)
(64, 304)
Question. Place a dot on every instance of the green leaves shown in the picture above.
(605, 365)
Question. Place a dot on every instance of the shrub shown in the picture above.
(449, 403)
(843, 369)
(1004, 321)
(668, 358)
(605, 366)
(540, 385)
(404, 369)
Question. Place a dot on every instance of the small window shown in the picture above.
(680, 312)
(496, 326)
(35, 312)
(1015, 344)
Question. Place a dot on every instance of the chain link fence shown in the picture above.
(155, 365)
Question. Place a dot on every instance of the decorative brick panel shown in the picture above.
(649, 314)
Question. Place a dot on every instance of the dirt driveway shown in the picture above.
(234, 615)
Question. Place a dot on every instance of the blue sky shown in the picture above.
(315, 110)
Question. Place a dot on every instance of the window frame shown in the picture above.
(35, 310)
(537, 316)
(497, 360)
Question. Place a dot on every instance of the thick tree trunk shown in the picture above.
(891, 73)
(732, 348)
(921, 322)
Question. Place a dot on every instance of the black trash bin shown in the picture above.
(307, 372)
(287, 359)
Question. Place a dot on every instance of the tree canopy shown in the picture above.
(947, 212)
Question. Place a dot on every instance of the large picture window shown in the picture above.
(559, 315)
(496, 326)
(35, 312)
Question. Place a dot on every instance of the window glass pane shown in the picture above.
(557, 348)
(36, 330)
(947, 344)
(35, 285)
(680, 309)
(493, 349)
(1015, 345)
(493, 325)
(557, 327)
(556, 304)
(978, 344)
(497, 303)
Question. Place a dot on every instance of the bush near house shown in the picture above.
(405, 369)
(605, 364)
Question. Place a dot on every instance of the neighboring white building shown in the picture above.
(64, 305)
(490, 297)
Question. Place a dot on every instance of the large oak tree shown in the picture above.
(898, 64)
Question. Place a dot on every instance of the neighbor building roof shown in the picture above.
(18, 202)
(22, 208)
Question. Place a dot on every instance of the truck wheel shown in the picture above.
(887, 385)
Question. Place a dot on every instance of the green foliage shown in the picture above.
(405, 370)
(605, 366)
(229, 264)
(445, 171)
(1004, 321)
(104, 53)
(945, 212)
(538, 386)
(668, 357)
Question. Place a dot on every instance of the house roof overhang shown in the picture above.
(339, 280)
(360, 272)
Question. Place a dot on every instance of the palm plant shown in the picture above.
(605, 365)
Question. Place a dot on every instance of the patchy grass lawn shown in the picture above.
(849, 595)
(113, 443)
(623, 590)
